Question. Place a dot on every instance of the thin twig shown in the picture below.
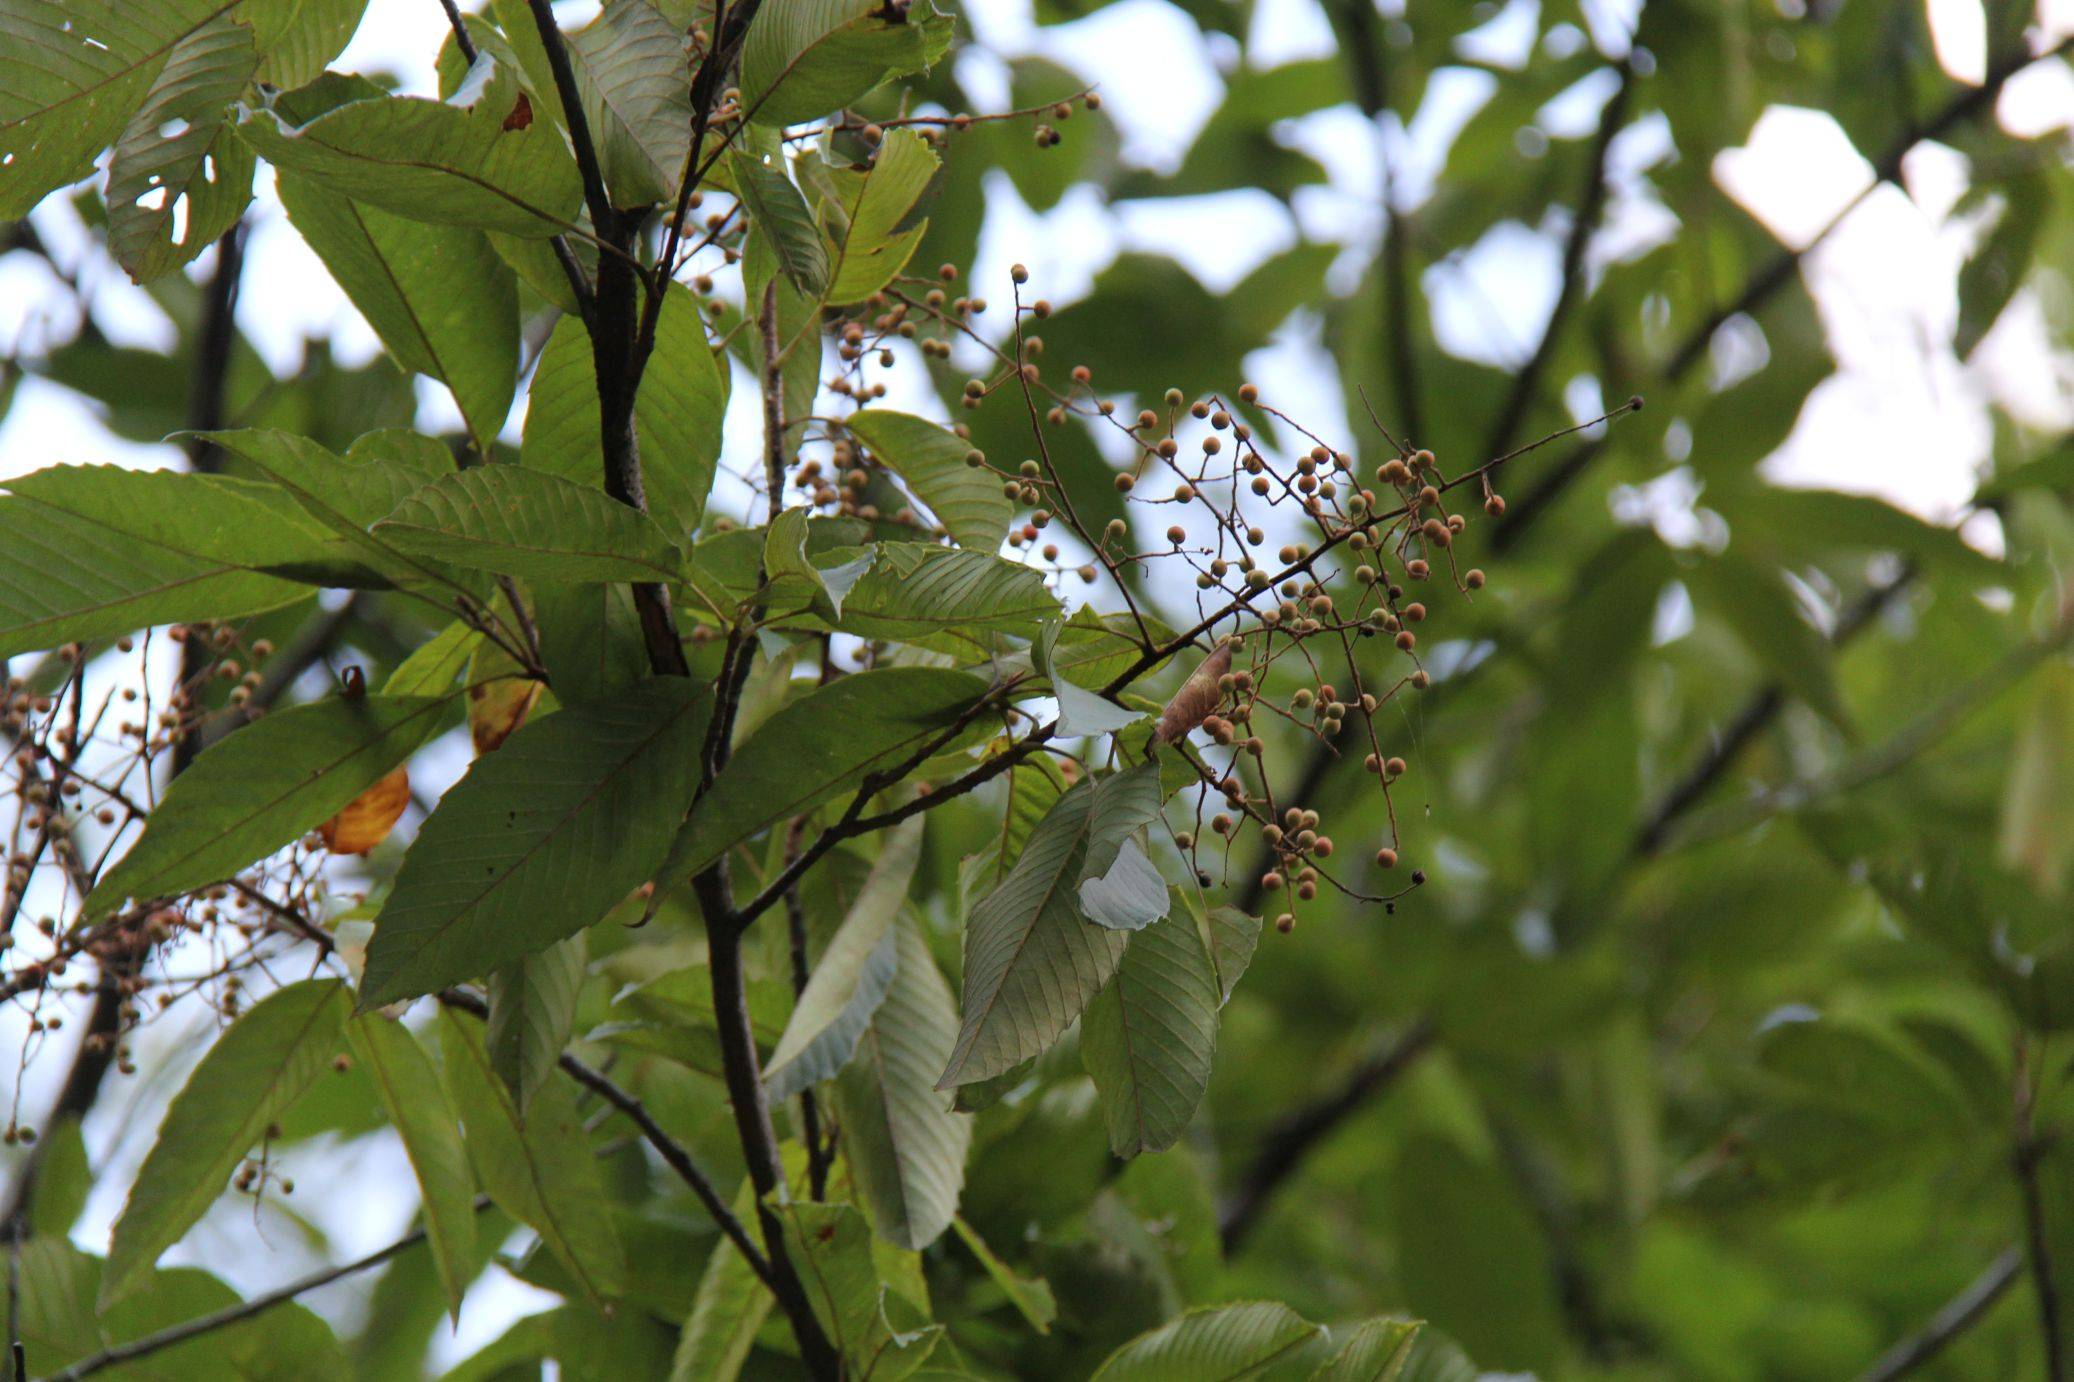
(1952, 1319)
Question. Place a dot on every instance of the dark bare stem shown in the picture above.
(236, 1314)
(1303, 1128)
(2029, 1151)
(1954, 1318)
(668, 1148)
(1775, 274)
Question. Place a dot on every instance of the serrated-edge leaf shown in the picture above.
(532, 524)
(930, 461)
(252, 1072)
(532, 1013)
(905, 1146)
(1213, 1345)
(1149, 1037)
(1375, 1351)
(408, 1086)
(852, 976)
(540, 839)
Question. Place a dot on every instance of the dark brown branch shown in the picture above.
(2028, 1152)
(236, 1314)
(1302, 1129)
(1772, 276)
(1952, 1319)
(1584, 223)
(1749, 722)
(668, 1148)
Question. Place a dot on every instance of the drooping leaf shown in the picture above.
(1233, 937)
(442, 301)
(930, 461)
(905, 1147)
(251, 1073)
(1032, 959)
(96, 551)
(677, 414)
(532, 1012)
(876, 240)
(852, 976)
(264, 787)
(540, 839)
(408, 1086)
(1148, 1038)
(500, 697)
(179, 178)
(804, 58)
(635, 82)
(817, 746)
(539, 1170)
(463, 161)
(779, 218)
(1031, 1296)
(532, 524)
(1226, 1341)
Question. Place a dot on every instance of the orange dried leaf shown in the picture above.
(368, 818)
(497, 708)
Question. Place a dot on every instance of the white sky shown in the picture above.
(1901, 418)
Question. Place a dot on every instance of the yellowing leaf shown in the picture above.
(368, 818)
(497, 708)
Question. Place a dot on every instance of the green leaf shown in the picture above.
(914, 590)
(1233, 937)
(171, 195)
(1376, 1351)
(449, 162)
(91, 552)
(1998, 265)
(63, 1179)
(726, 1311)
(852, 976)
(1148, 1038)
(408, 1086)
(1032, 960)
(930, 461)
(439, 297)
(785, 559)
(831, 1245)
(319, 32)
(590, 638)
(677, 414)
(804, 58)
(879, 234)
(814, 748)
(905, 1146)
(70, 78)
(778, 215)
(1081, 712)
(1031, 1296)
(532, 1013)
(431, 668)
(264, 787)
(1758, 606)
(250, 1075)
(539, 1170)
(1224, 1342)
(531, 524)
(632, 73)
(540, 839)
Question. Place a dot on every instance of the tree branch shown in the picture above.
(1303, 1128)
(1954, 1318)
(1772, 276)
(2029, 1152)
(239, 1313)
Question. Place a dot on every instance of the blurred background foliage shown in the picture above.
(1727, 1040)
